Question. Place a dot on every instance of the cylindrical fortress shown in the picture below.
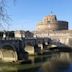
(51, 23)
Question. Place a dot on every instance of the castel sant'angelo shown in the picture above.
(55, 29)
(12, 43)
(49, 27)
(51, 23)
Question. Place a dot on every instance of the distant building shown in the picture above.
(51, 23)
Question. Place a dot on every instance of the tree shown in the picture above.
(4, 18)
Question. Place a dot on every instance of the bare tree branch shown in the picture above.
(4, 17)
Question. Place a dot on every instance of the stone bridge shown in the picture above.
(14, 49)
(19, 49)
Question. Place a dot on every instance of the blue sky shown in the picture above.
(25, 14)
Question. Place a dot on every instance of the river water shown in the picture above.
(56, 62)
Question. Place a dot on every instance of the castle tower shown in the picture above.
(51, 23)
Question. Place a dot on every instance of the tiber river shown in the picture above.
(56, 62)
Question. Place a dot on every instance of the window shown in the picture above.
(48, 21)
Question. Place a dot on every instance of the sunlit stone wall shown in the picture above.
(58, 36)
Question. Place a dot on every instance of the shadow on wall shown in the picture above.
(60, 46)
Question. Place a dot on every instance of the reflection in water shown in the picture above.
(59, 62)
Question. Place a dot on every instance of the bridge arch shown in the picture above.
(8, 53)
